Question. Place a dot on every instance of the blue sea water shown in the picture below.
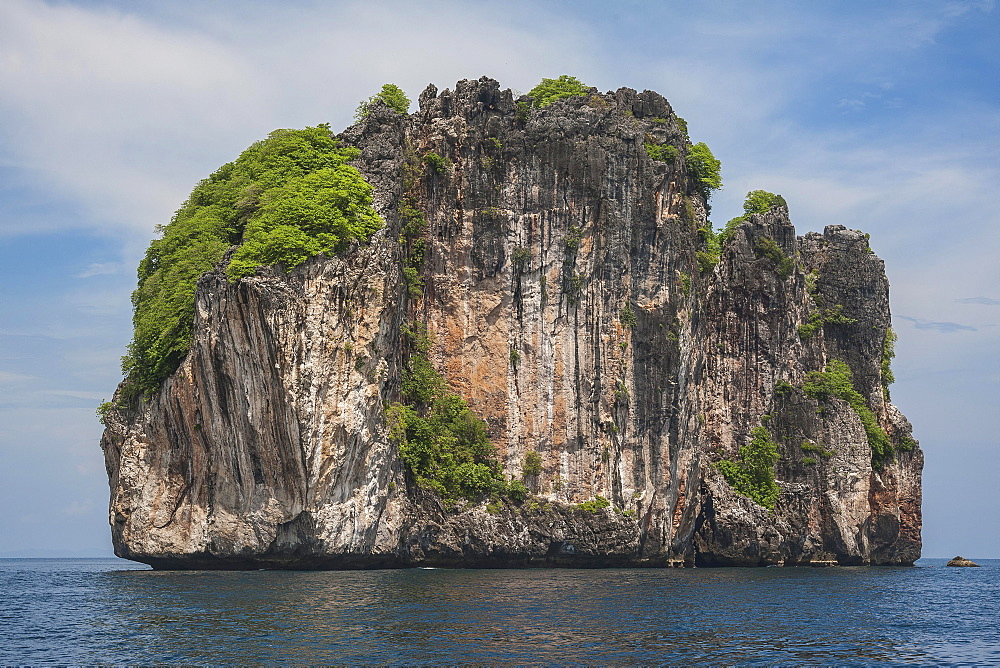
(89, 611)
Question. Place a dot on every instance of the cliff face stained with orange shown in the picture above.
(565, 303)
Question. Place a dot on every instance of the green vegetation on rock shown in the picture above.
(550, 90)
(726, 233)
(391, 94)
(752, 474)
(592, 506)
(831, 316)
(521, 257)
(285, 199)
(756, 201)
(103, 409)
(662, 152)
(705, 168)
(413, 225)
(888, 352)
(709, 256)
(532, 464)
(761, 201)
(319, 212)
(707, 261)
(627, 316)
(815, 448)
(766, 247)
(837, 382)
(412, 228)
(683, 126)
(438, 164)
(685, 282)
(442, 442)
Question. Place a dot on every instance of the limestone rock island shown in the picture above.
(502, 332)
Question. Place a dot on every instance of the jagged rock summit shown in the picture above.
(633, 377)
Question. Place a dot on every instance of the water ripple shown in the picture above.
(109, 611)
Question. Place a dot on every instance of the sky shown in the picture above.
(881, 116)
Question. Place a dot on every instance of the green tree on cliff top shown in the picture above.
(550, 90)
(391, 94)
(705, 167)
(284, 200)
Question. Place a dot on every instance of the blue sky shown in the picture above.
(880, 116)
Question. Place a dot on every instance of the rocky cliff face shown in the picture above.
(565, 302)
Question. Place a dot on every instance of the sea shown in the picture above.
(110, 611)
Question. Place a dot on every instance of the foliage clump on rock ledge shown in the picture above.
(837, 382)
(391, 95)
(756, 202)
(442, 442)
(766, 247)
(888, 352)
(829, 316)
(550, 90)
(752, 474)
(705, 168)
(594, 505)
(284, 200)
(532, 464)
(661, 152)
(437, 163)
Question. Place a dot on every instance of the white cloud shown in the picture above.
(983, 301)
(101, 269)
(936, 326)
(123, 116)
(76, 394)
(96, 103)
(9, 377)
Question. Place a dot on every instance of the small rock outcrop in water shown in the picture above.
(962, 562)
(571, 299)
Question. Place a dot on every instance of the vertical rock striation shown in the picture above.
(565, 302)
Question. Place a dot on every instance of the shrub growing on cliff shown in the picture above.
(767, 247)
(442, 442)
(761, 201)
(828, 316)
(752, 474)
(592, 506)
(837, 381)
(550, 90)
(708, 257)
(286, 198)
(517, 491)
(391, 94)
(756, 201)
(888, 352)
(627, 316)
(413, 226)
(532, 464)
(437, 163)
(662, 152)
(320, 212)
(815, 448)
(682, 125)
(705, 168)
(103, 409)
(726, 233)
